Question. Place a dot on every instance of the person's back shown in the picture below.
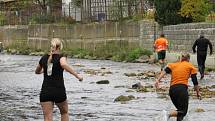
(55, 79)
(53, 90)
(202, 44)
(161, 44)
(181, 72)
(178, 92)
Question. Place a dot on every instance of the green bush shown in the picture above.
(41, 19)
(136, 53)
(78, 52)
(120, 56)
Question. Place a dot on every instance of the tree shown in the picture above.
(167, 12)
(196, 10)
(45, 5)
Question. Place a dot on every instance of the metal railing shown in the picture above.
(87, 11)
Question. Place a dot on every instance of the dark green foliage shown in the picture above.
(79, 53)
(41, 19)
(136, 53)
(167, 12)
(195, 10)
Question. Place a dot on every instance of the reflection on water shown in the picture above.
(88, 101)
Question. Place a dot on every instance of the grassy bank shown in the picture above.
(107, 52)
(117, 54)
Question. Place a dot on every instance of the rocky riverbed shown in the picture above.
(97, 97)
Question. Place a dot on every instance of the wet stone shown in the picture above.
(103, 82)
(137, 86)
(130, 74)
(122, 98)
(199, 110)
(119, 86)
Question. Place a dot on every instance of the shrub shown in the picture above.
(136, 53)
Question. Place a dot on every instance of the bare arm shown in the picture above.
(65, 65)
(163, 73)
(211, 48)
(194, 46)
(154, 46)
(196, 87)
(39, 69)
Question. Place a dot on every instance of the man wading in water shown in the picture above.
(53, 90)
(180, 72)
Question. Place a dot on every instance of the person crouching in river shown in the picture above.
(180, 72)
(53, 90)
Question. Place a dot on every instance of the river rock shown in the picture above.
(119, 86)
(91, 71)
(130, 74)
(206, 92)
(150, 74)
(79, 65)
(137, 86)
(106, 72)
(199, 110)
(122, 98)
(103, 82)
(142, 59)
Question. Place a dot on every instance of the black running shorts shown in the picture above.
(53, 94)
(161, 54)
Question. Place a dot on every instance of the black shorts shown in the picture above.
(53, 94)
(179, 96)
(161, 54)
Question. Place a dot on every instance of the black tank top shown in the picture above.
(56, 78)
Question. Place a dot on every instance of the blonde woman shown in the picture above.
(53, 90)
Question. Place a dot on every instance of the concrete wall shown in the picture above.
(89, 36)
(174, 56)
(13, 34)
(182, 37)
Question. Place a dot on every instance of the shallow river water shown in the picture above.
(88, 101)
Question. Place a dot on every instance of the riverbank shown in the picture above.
(137, 55)
(114, 54)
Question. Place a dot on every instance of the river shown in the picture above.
(88, 101)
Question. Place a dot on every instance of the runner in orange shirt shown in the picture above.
(160, 46)
(180, 73)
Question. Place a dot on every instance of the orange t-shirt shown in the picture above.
(160, 44)
(181, 72)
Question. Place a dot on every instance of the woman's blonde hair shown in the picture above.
(57, 44)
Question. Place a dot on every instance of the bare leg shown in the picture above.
(63, 106)
(162, 63)
(173, 113)
(47, 108)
